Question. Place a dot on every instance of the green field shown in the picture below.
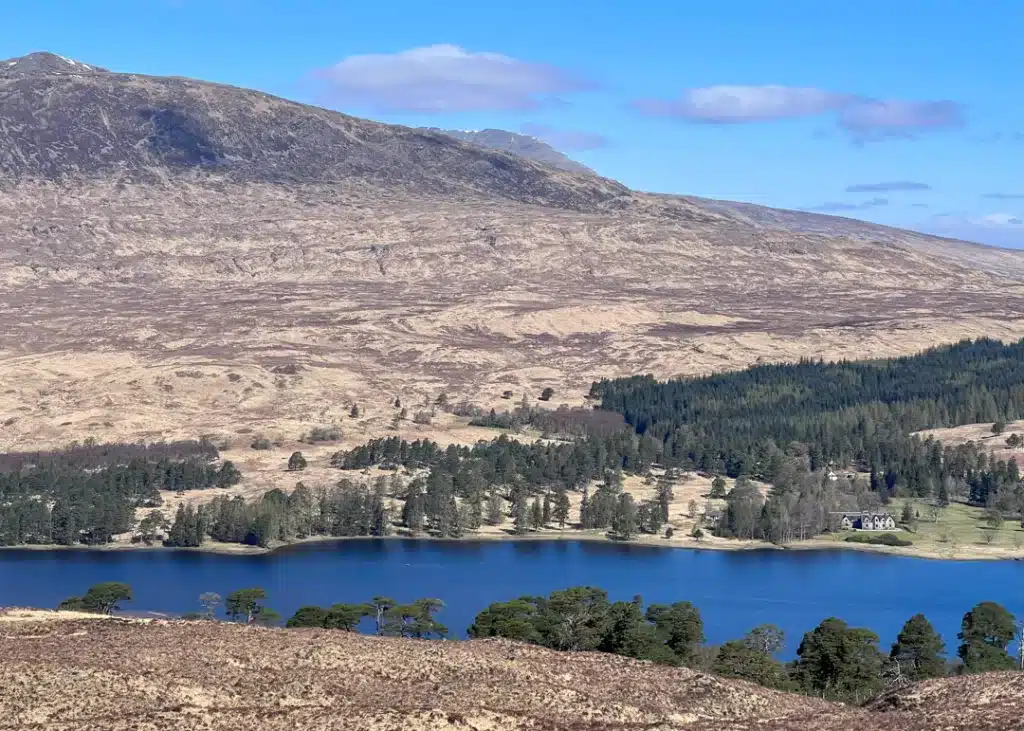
(961, 525)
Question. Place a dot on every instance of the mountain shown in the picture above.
(44, 64)
(522, 145)
(168, 246)
(142, 128)
(70, 673)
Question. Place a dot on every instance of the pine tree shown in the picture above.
(643, 516)
(412, 511)
(665, 497)
(918, 650)
(520, 514)
(654, 517)
(448, 520)
(546, 510)
(624, 523)
(65, 529)
(536, 515)
(475, 509)
(381, 526)
(187, 530)
(986, 632)
(586, 519)
(908, 517)
(943, 497)
(495, 508)
(561, 509)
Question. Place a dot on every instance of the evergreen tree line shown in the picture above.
(391, 619)
(850, 414)
(504, 461)
(489, 476)
(564, 421)
(348, 509)
(91, 455)
(428, 507)
(87, 494)
(834, 660)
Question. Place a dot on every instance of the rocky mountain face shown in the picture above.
(151, 226)
(522, 145)
(76, 674)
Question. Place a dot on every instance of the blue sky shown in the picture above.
(915, 104)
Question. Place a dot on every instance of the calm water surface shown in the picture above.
(734, 591)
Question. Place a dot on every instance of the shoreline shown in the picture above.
(814, 544)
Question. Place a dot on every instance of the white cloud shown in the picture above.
(998, 229)
(999, 219)
(727, 104)
(863, 119)
(871, 119)
(888, 187)
(446, 78)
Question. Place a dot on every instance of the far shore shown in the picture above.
(959, 553)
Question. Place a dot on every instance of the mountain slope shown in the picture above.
(62, 118)
(67, 674)
(157, 226)
(522, 145)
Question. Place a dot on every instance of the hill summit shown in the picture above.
(44, 63)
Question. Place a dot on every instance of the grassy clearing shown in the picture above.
(960, 525)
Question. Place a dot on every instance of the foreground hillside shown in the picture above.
(182, 258)
(66, 674)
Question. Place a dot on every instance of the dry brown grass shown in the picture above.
(147, 312)
(69, 674)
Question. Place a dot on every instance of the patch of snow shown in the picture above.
(87, 67)
(12, 63)
(65, 59)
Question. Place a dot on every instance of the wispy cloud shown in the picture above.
(894, 186)
(1004, 196)
(871, 119)
(735, 104)
(565, 139)
(446, 78)
(839, 206)
(998, 229)
(862, 118)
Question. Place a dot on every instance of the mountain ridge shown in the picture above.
(142, 127)
(150, 224)
(528, 146)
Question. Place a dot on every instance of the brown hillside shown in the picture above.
(66, 675)
(168, 246)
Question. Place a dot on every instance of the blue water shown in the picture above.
(734, 591)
